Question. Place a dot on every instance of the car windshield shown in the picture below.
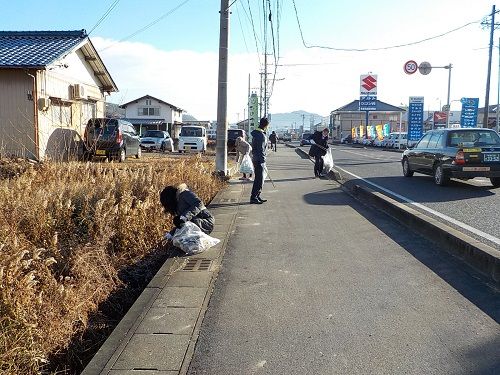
(233, 134)
(191, 132)
(306, 136)
(154, 134)
(469, 138)
(103, 126)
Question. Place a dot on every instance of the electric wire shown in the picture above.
(241, 27)
(148, 25)
(104, 16)
(254, 33)
(378, 48)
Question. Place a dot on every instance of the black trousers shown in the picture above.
(258, 180)
(318, 165)
(273, 146)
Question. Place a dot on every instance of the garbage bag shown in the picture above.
(246, 165)
(191, 239)
(327, 161)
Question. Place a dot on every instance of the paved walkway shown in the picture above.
(311, 282)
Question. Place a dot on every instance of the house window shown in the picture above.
(148, 111)
(60, 113)
(148, 101)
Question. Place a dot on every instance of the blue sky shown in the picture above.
(176, 59)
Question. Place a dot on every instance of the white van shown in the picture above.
(397, 140)
(193, 138)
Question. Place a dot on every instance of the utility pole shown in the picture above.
(487, 98)
(498, 87)
(221, 142)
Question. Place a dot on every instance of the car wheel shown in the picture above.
(495, 181)
(139, 153)
(122, 155)
(440, 177)
(407, 172)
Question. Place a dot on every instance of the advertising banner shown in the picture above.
(361, 131)
(353, 133)
(387, 130)
(380, 132)
(468, 117)
(415, 118)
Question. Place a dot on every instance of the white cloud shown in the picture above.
(188, 79)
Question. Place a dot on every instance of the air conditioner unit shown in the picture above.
(43, 103)
(78, 91)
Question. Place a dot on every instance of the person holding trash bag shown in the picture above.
(319, 146)
(259, 145)
(273, 138)
(184, 206)
(243, 149)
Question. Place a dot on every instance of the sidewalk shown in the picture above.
(311, 282)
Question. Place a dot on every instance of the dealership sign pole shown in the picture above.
(368, 94)
(415, 118)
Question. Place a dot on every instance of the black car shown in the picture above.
(460, 153)
(232, 134)
(306, 139)
(111, 138)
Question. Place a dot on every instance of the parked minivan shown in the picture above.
(193, 138)
(232, 134)
(111, 138)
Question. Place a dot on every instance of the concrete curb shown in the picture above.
(107, 355)
(481, 257)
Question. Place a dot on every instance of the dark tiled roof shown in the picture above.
(381, 107)
(36, 49)
(145, 121)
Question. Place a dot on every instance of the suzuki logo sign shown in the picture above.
(368, 85)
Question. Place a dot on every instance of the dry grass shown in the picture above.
(67, 232)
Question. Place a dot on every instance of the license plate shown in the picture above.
(100, 152)
(491, 157)
(187, 148)
(476, 169)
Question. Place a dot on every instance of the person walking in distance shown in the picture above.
(242, 148)
(259, 145)
(274, 139)
(319, 146)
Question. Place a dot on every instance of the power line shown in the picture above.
(241, 27)
(111, 7)
(148, 25)
(379, 48)
(253, 28)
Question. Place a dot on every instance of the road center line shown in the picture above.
(478, 232)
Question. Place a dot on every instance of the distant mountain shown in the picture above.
(285, 121)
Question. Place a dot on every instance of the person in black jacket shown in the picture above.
(273, 138)
(319, 146)
(184, 205)
(259, 146)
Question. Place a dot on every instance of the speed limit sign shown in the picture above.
(410, 67)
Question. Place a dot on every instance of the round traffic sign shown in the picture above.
(410, 67)
(425, 68)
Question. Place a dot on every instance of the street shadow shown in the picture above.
(302, 155)
(377, 162)
(464, 279)
(422, 189)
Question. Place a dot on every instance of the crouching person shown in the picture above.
(184, 205)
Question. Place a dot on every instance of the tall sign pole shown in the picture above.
(487, 98)
(221, 142)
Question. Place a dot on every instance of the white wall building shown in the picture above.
(51, 84)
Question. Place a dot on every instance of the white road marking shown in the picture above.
(369, 156)
(478, 232)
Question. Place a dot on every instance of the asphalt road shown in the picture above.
(313, 282)
(471, 203)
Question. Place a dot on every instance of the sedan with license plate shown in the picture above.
(157, 140)
(462, 153)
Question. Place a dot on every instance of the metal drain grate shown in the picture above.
(197, 265)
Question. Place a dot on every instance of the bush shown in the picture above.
(66, 233)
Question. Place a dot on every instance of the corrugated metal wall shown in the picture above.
(17, 129)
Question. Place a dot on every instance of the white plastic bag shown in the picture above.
(191, 239)
(327, 161)
(246, 165)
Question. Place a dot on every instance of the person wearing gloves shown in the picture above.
(184, 205)
(319, 146)
(242, 148)
(259, 145)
